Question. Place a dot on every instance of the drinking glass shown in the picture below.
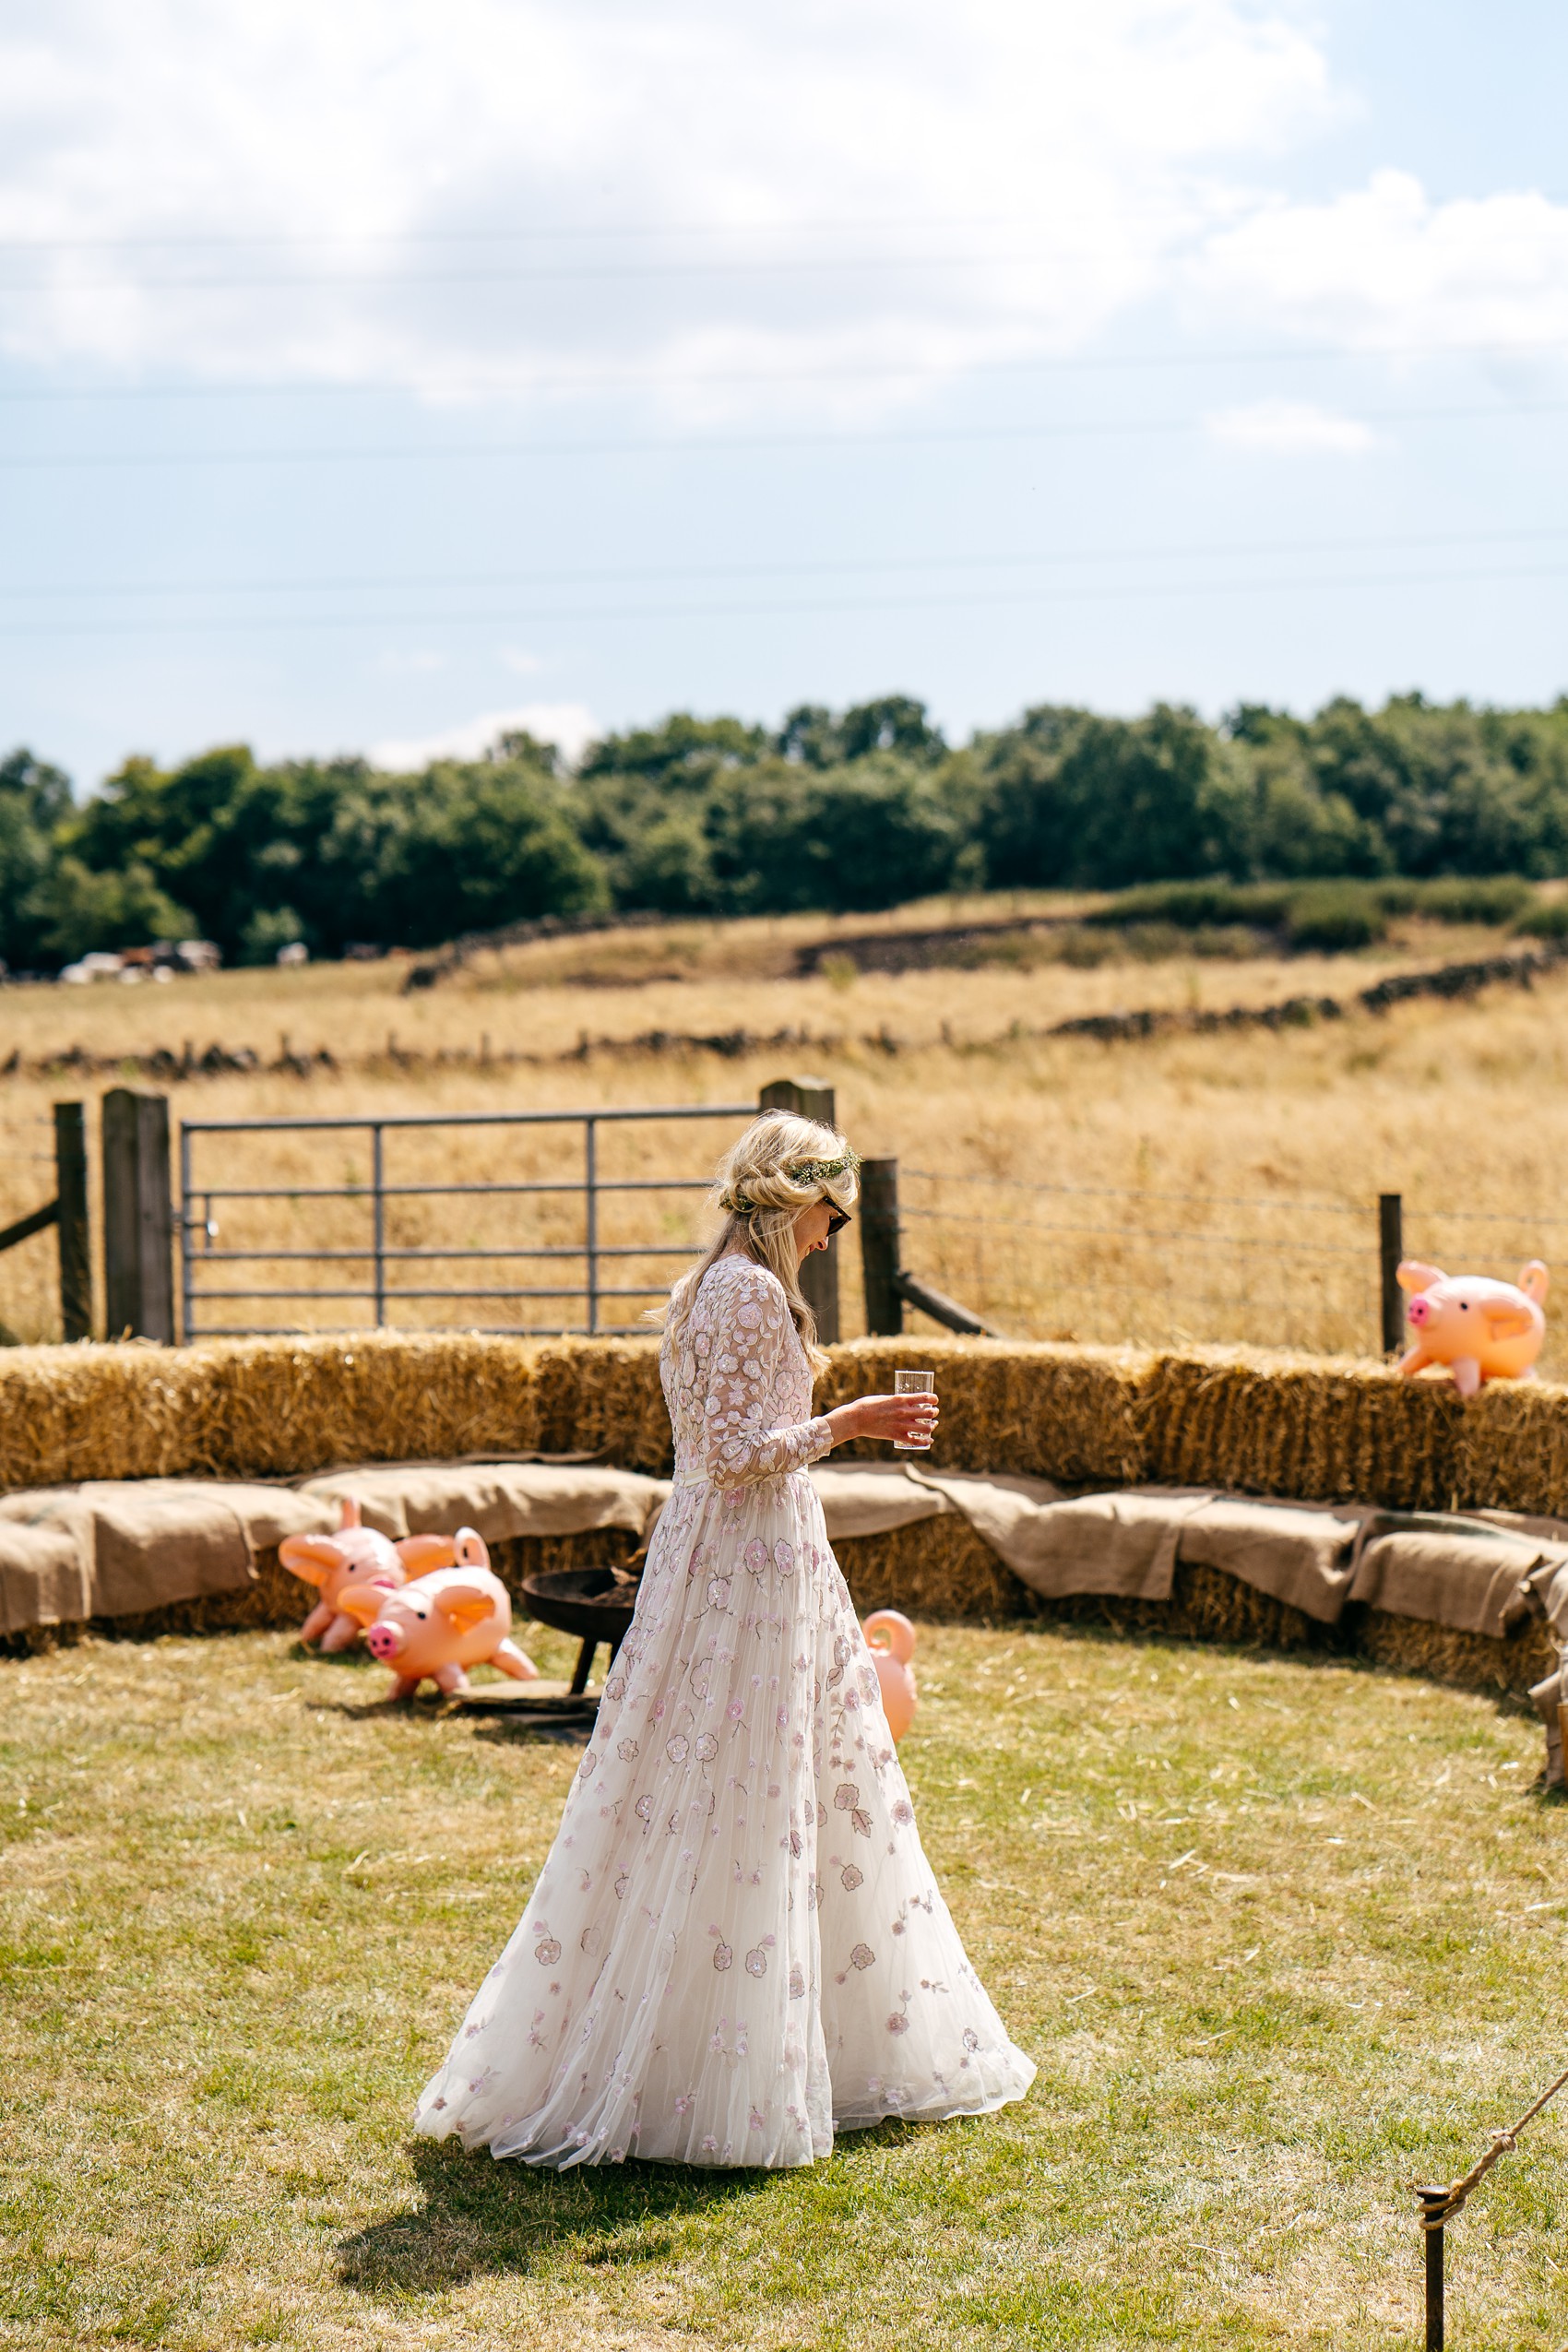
(913, 1383)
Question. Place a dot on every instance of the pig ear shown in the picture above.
(311, 1558)
(1416, 1275)
(1503, 1322)
(471, 1549)
(348, 1512)
(421, 1554)
(362, 1602)
(1535, 1281)
(465, 1605)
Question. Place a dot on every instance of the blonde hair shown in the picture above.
(777, 1167)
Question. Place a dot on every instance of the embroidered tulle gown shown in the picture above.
(736, 1943)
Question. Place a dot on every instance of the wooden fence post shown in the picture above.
(1390, 1250)
(70, 1191)
(138, 1228)
(812, 1098)
(881, 1248)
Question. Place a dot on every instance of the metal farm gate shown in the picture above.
(356, 1243)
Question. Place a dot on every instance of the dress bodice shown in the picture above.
(739, 1382)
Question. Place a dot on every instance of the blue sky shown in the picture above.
(373, 376)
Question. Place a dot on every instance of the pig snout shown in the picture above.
(385, 1640)
(1419, 1312)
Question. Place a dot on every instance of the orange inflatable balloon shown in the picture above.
(1480, 1329)
(436, 1624)
(890, 1638)
(355, 1556)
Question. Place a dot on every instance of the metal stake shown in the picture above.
(1433, 2200)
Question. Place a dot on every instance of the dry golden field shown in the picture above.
(1207, 1187)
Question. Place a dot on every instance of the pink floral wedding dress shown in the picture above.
(736, 1943)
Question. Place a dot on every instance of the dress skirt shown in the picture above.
(736, 1946)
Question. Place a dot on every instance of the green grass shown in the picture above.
(1282, 1936)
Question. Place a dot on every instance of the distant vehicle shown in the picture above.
(296, 952)
(161, 961)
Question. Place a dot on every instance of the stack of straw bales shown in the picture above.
(1083, 1417)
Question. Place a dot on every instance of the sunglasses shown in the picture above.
(837, 1223)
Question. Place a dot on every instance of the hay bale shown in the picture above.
(603, 1395)
(1206, 1605)
(938, 1569)
(1469, 1661)
(261, 1407)
(1044, 1410)
(1513, 1440)
(1320, 1430)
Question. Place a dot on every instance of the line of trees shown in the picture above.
(840, 811)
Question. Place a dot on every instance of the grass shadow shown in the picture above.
(479, 2216)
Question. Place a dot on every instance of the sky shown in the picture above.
(375, 377)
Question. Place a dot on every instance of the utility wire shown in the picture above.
(889, 370)
(1098, 428)
(568, 615)
(832, 566)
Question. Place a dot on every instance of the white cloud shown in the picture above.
(1290, 429)
(730, 147)
(1383, 265)
(568, 725)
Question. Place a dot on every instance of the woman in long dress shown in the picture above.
(736, 1944)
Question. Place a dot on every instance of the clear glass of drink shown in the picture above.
(913, 1383)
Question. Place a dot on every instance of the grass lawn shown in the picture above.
(1283, 1937)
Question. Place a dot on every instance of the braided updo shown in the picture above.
(777, 1169)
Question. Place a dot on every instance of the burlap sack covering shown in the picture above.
(871, 1499)
(1123, 1543)
(137, 1544)
(1297, 1553)
(1461, 1572)
(45, 1575)
(500, 1499)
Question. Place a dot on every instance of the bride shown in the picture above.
(736, 1944)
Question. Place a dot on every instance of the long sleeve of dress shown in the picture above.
(741, 1442)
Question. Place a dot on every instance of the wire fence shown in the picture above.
(1099, 1262)
(1107, 1263)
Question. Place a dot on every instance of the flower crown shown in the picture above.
(804, 1172)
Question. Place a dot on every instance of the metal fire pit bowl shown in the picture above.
(593, 1603)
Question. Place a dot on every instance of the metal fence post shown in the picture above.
(378, 1210)
(139, 1261)
(812, 1098)
(70, 1190)
(881, 1248)
(1390, 1250)
(590, 1217)
(1433, 2200)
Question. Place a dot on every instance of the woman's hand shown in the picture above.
(909, 1418)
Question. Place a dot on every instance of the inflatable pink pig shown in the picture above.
(890, 1638)
(356, 1555)
(432, 1627)
(1482, 1330)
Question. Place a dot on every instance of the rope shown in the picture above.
(1439, 2210)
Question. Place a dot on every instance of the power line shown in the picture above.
(579, 272)
(849, 373)
(817, 567)
(575, 231)
(1097, 428)
(205, 624)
